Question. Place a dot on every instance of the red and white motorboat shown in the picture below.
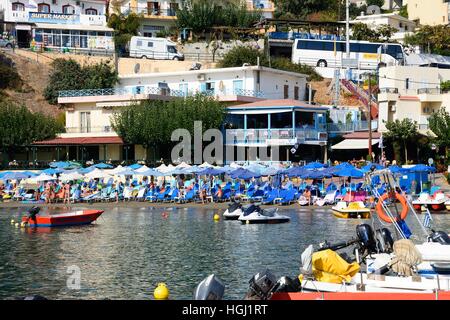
(72, 218)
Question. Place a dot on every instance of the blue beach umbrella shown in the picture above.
(210, 172)
(4, 173)
(315, 174)
(244, 174)
(294, 172)
(368, 167)
(52, 171)
(349, 172)
(14, 176)
(314, 165)
(150, 172)
(397, 169)
(135, 166)
(344, 165)
(422, 168)
(102, 165)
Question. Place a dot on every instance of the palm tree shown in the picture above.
(402, 132)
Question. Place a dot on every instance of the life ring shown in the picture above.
(380, 211)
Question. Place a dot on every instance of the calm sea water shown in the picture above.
(129, 250)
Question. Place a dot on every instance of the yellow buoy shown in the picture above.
(12, 221)
(23, 224)
(16, 224)
(216, 217)
(161, 292)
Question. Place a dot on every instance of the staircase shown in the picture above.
(362, 95)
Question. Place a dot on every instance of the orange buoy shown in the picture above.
(380, 211)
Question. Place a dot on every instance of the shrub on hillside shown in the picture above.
(9, 78)
(70, 75)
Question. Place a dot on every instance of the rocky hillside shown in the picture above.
(34, 76)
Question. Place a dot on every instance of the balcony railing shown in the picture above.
(100, 129)
(429, 91)
(261, 136)
(351, 126)
(156, 91)
(388, 90)
(171, 12)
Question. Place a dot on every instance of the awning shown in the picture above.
(72, 27)
(80, 141)
(427, 133)
(354, 144)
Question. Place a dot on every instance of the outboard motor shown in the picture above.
(210, 288)
(286, 284)
(365, 236)
(385, 243)
(261, 286)
(441, 237)
(33, 211)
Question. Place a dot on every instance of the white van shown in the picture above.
(154, 48)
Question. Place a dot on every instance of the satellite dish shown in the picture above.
(137, 67)
(293, 150)
(430, 161)
(373, 9)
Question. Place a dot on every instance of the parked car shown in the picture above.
(154, 48)
(5, 43)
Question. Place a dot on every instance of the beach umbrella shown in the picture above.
(51, 171)
(142, 169)
(126, 172)
(96, 174)
(149, 172)
(65, 164)
(255, 167)
(210, 172)
(161, 168)
(315, 174)
(368, 167)
(44, 177)
(294, 172)
(71, 176)
(270, 171)
(192, 170)
(14, 176)
(102, 165)
(244, 174)
(397, 169)
(115, 170)
(4, 173)
(135, 166)
(183, 165)
(206, 165)
(349, 172)
(235, 165)
(31, 174)
(314, 165)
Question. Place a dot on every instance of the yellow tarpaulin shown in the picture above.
(328, 266)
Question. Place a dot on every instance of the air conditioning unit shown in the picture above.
(201, 77)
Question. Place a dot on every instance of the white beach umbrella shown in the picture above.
(142, 169)
(115, 170)
(44, 177)
(183, 165)
(161, 168)
(206, 165)
(96, 174)
(71, 176)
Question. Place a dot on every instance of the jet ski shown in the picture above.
(234, 211)
(254, 214)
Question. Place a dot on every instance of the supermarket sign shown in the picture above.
(60, 18)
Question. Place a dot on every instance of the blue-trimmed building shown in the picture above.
(298, 129)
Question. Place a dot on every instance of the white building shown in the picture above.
(402, 24)
(88, 112)
(58, 24)
(411, 92)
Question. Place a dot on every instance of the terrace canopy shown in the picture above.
(351, 144)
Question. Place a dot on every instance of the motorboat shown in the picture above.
(72, 218)
(234, 211)
(255, 214)
(437, 202)
(354, 210)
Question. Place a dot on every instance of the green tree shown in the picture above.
(68, 74)
(125, 26)
(379, 3)
(151, 123)
(439, 123)
(9, 78)
(432, 39)
(239, 55)
(404, 11)
(299, 8)
(362, 31)
(445, 86)
(20, 127)
(401, 132)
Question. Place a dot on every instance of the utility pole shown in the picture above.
(347, 36)
(369, 101)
